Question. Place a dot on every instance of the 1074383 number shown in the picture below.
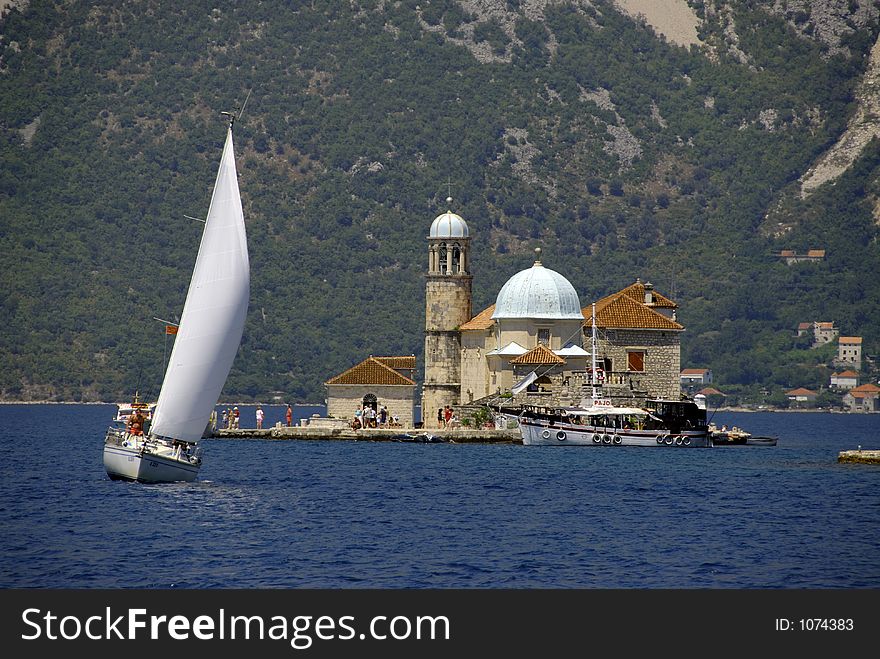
(826, 624)
(815, 624)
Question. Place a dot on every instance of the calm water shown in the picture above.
(292, 514)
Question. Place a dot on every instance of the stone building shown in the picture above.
(849, 352)
(375, 382)
(447, 307)
(865, 398)
(639, 344)
(531, 344)
(822, 331)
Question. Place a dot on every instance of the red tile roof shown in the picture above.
(867, 388)
(540, 354)
(710, 391)
(637, 292)
(850, 340)
(694, 371)
(800, 392)
(481, 321)
(398, 363)
(372, 371)
(620, 311)
(846, 374)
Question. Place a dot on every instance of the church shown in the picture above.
(532, 345)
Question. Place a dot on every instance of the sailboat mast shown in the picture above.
(593, 347)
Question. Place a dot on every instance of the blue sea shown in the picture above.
(343, 514)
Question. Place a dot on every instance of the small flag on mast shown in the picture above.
(171, 329)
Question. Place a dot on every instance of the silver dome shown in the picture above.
(449, 225)
(538, 293)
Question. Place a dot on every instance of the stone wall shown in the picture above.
(662, 367)
(344, 399)
(447, 302)
(447, 306)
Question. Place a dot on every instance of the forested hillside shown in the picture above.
(565, 125)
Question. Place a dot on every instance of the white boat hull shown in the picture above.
(536, 432)
(126, 458)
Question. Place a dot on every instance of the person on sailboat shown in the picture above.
(136, 423)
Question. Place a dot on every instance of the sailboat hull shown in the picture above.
(128, 459)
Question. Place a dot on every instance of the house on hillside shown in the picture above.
(802, 397)
(844, 380)
(693, 377)
(849, 352)
(865, 398)
(374, 383)
(713, 396)
(822, 332)
(790, 256)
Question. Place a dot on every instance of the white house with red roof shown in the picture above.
(844, 380)
(802, 396)
(692, 377)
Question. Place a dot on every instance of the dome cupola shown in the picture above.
(538, 292)
(449, 225)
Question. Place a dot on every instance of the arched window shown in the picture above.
(456, 260)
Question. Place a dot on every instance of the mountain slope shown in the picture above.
(565, 125)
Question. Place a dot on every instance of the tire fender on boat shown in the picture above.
(687, 441)
(617, 439)
(668, 440)
(660, 438)
(606, 439)
(560, 435)
(546, 434)
(597, 438)
(679, 440)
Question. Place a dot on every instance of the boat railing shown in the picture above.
(117, 435)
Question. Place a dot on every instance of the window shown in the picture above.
(544, 337)
(635, 360)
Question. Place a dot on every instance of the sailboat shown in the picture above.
(211, 325)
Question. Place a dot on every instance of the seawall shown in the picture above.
(859, 456)
(453, 436)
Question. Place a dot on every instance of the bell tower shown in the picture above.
(447, 306)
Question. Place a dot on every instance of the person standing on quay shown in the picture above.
(259, 417)
(289, 416)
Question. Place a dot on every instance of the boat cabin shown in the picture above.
(678, 415)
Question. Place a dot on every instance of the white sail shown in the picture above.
(213, 315)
